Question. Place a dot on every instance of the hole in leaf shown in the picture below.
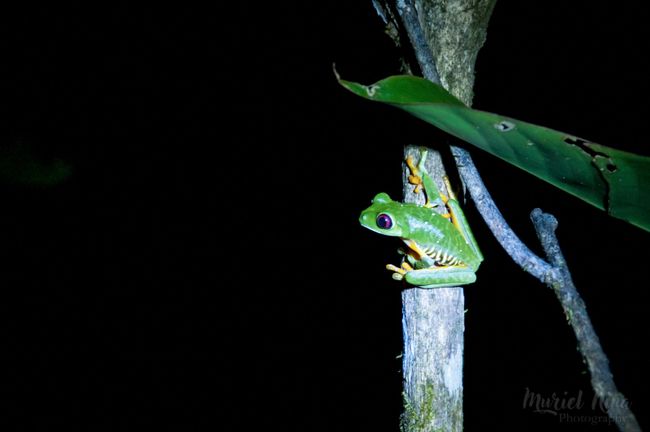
(582, 145)
(504, 126)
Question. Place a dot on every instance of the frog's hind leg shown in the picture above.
(441, 277)
(459, 220)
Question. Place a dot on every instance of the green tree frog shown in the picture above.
(441, 249)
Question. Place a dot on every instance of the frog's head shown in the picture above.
(383, 216)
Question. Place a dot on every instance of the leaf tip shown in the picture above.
(336, 73)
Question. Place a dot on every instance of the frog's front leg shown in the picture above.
(401, 271)
(409, 263)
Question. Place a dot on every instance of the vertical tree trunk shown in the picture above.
(433, 320)
(455, 31)
(432, 325)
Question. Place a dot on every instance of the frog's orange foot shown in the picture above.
(399, 272)
(414, 178)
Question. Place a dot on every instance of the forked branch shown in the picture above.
(553, 271)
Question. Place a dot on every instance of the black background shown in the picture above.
(203, 266)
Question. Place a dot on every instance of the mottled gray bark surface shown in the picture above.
(433, 326)
(455, 31)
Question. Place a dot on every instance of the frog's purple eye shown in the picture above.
(384, 221)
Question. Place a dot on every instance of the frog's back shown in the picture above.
(440, 239)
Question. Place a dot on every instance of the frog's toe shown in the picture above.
(398, 272)
(395, 269)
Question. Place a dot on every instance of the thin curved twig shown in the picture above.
(518, 251)
(576, 311)
(409, 14)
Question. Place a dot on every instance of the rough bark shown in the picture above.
(455, 31)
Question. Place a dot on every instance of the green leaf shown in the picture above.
(612, 180)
